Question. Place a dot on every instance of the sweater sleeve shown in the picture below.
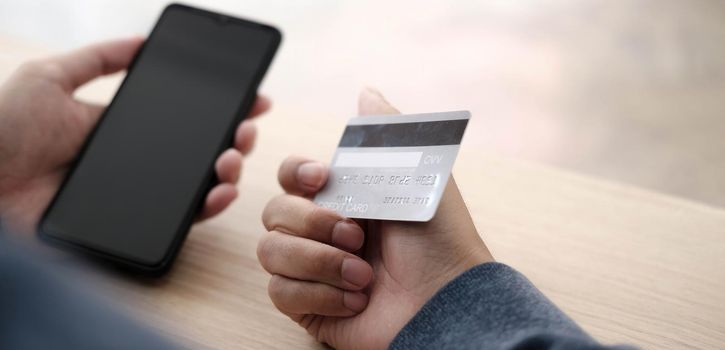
(40, 310)
(492, 306)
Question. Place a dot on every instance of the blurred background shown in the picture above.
(632, 91)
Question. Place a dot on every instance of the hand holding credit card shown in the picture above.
(393, 167)
(363, 280)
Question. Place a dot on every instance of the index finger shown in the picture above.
(299, 217)
(302, 176)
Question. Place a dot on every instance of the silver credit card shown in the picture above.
(393, 167)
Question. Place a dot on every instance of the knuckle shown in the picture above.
(319, 222)
(269, 214)
(265, 250)
(276, 289)
(285, 294)
(326, 262)
(311, 218)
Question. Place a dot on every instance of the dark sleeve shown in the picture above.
(40, 310)
(492, 306)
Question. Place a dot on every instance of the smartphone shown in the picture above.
(143, 173)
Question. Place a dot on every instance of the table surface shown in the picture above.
(629, 265)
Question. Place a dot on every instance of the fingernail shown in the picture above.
(355, 301)
(356, 272)
(347, 235)
(310, 175)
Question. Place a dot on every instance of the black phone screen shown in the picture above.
(147, 166)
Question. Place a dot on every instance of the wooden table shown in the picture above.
(630, 266)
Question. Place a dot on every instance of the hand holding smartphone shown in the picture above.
(136, 186)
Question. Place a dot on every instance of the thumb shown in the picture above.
(452, 216)
(82, 65)
(372, 102)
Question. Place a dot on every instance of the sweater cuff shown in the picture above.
(489, 306)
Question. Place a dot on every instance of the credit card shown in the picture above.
(393, 167)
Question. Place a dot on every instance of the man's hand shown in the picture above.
(355, 284)
(42, 128)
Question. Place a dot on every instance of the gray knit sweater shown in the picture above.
(492, 306)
